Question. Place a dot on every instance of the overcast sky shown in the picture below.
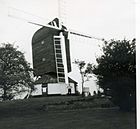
(100, 18)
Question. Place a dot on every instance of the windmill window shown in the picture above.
(44, 90)
(43, 59)
(42, 42)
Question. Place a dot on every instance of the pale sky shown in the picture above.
(101, 18)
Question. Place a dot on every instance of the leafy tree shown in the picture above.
(85, 71)
(81, 66)
(15, 72)
(116, 72)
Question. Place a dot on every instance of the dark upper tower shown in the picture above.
(44, 61)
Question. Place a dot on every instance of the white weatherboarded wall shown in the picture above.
(53, 88)
(57, 88)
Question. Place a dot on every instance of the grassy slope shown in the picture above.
(28, 114)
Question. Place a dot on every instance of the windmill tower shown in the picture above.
(51, 57)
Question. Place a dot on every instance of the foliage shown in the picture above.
(81, 66)
(116, 72)
(15, 72)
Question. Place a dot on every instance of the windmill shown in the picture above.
(51, 56)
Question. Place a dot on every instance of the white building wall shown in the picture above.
(59, 88)
(53, 88)
(63, 89)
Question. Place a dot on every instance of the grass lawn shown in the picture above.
(12, 116)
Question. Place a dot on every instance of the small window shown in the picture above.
(43, 59)
(42, 42)
(44, 89)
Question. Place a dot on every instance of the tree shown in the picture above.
(116, 72)
(15, 72)
(81, 66)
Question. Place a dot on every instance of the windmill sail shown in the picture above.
(51, 60)
(30, 18)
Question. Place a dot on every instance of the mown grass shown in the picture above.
(30, 114)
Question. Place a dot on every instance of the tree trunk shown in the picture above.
(82, 81)
(4, 93)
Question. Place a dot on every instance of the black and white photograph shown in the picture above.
(69, 64)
